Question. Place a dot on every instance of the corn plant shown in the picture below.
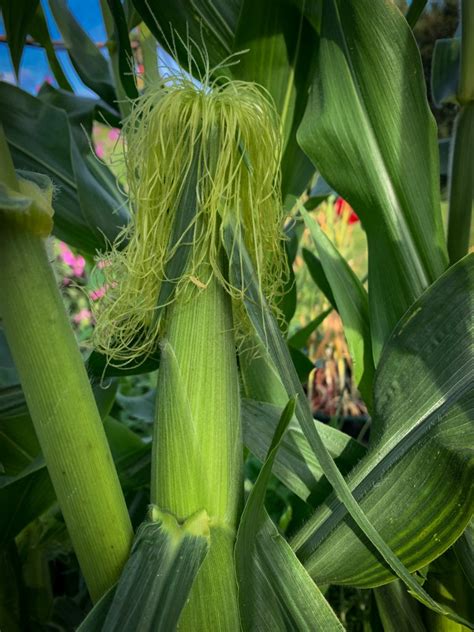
(268, 108)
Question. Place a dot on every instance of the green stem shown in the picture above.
(63, 409)
(60, 401)
(461, 186)
(197, 446)
(466, 78)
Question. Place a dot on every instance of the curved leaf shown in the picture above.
(38, 28)
(415, 484)
(198, 24)
(266, 328)
(279, 40)
(295, 464)
(275, 592)
(91, 66)
(16, 18)
(352, 305)
(445, 70)
(156, 581)
(369, 59)
(87, 204)
(125, 55)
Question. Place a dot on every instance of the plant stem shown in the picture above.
(63, 409)
(461, 184)
(197, 446)
(466, 77)
(60, 401)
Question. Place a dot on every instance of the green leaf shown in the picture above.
(275, 592)
(414, 11)
(318, 275)
(89, 63)
(16, 18)
(50, 149)
(365, 50)
(38, 28)
(302, 364)
(415, 484)
(464, 550)
(26, 491)
(445, 70)
(156, 581)
(18, 443)
(266, 328)
(287, 302)
(300, 338)
(125, 55)
(103, 203)
(461, 184)
(23, 498)
(279, 41)
(200, 24)
(397, 609)
(352, 305)
(295, 464)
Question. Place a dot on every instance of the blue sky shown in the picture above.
(34, 66)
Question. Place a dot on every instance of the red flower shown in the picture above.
(342, 208)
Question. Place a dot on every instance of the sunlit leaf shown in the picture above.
(365, 109)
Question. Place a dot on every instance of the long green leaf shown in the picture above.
(266, 328)
(122, 42)
(90, 64)
(16, 18)
(352, 305)
(300, 337)
(50, 149)
(369, 59)
(397, 609)
(38, 28)
(445, 70)
(415, 484)
(23, 498)
(414, 11)
(464, 550)
(156, 581)
(295, 464)
(202, 24)
(461, 184)
(318, 275)
(279, 40)
(275, 592)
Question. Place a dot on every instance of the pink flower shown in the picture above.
(83, 316)
(99, 150)
(99, 293)
(77, 264)
(114, 134)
